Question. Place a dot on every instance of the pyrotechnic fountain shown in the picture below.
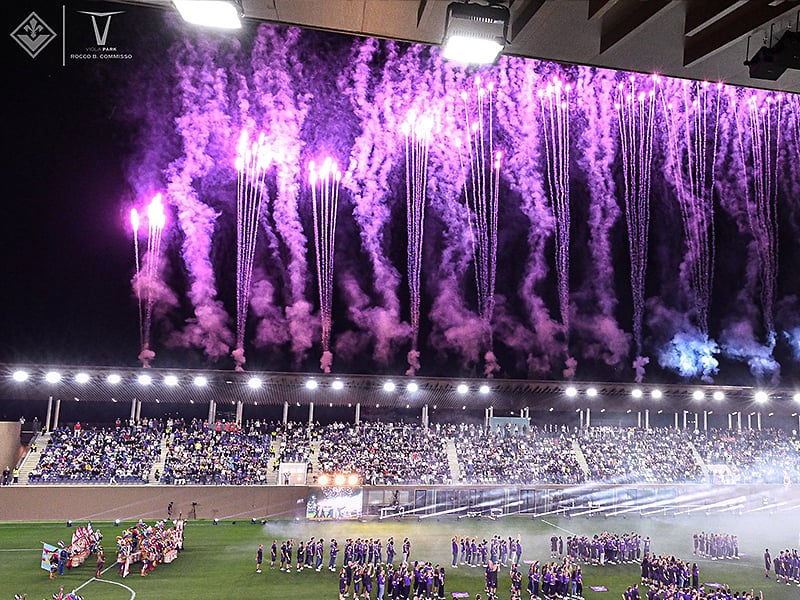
(636, 109)
(417, 132)
(324, 182)
(480, 164)
(252, 161)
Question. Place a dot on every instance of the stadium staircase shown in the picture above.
(31, 459)
(698, 459)
(275, 448)
(452, 460)
(159, 463)
(576, 447)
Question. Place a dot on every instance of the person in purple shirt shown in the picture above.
(454, 547)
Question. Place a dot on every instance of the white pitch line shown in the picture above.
(557, 527)
(133, 593)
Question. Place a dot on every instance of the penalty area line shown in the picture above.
(122, 585)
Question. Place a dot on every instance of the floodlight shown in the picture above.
(571, 392)
(352, 480)
(113, 379)
(718, 395)
(171, 380)
(222, 14)
(412, 387)
(323, 480)
(475, 33)
(20, 376)
(337, 385)
(388, 386)
(144, 379)
(200, 381)
(462, 388)
(484, 389)
(761, 397)
(339, 480)
(656, 394)
(796, 397)
(116, 522)
(52, 377)
(636, 393)
(591, 392)
(82, 377)
(254, 383)
(698, 394)
(311, 384)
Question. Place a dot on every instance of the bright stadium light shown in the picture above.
(311, 384)
(352, 480)
(339, 480)
(656, 394)
(171, 380)
(718, 395)
(323, 480)
(337, 385)
(636, 393)
(52, 377)
(144, 379)
(571, 392)
(20, 376)
(82, 378)
(484, 389)
(591, 392)
(462, 388)
(222, 14)
(113, 379)
(389, 386)
(761, 397)
(796, 397)
(200, 381)
(698, 394)
(475, 33)
(254, 383)
(412, 387)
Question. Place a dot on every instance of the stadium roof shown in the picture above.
(180, 386)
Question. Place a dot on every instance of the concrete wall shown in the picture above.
(9, 443)
(83, 503)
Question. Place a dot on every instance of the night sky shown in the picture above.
(87, 142)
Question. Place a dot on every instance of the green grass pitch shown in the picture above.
(219, 560)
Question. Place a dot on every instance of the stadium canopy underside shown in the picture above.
(271, 388)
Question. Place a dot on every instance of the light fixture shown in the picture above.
(254, 383)
(20, 376)
(591, 392)
(311, 384)
(200, 381)
(412, 387)
(52, 377)
(796, 397)
(352, 480)
(337, 385)
(113, 379)
(339, 480)
(82, 378)
(571, 392)
(144, 379)
(388, 386)
(222, 14)
(656, 394)
(698, 394)
(116, 522)
(171, 380)
(719, 395)
(462, 388)
(484, 389)
(761, 397)
(475, 33)
(636, 393)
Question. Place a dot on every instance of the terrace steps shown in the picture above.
(274, 448)
(698, 459)
(31, 459)
(584, 465)
(159, 463)
(452, 461)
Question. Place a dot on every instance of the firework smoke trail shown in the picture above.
(281, 108)
(325, 199)
(417, 133)
(554, 101)
(692, 122)
(480, 166)
(519, 114)
(252, 162)
(135, 223)
(595, 322)
(636, 126)
(759, 154)
(203, 125)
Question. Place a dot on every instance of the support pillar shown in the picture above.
(285, 413)
(588, 418)
(685, 418)
(212, 413)
(310, 414)
(676, 420)
(358, 413)
(425, 416)
(739, 421)
(58, 411)
(730, 421)
(138, 411)
(581, 413)
(647, 418)
(239, 413)
(49, 411)
(749, 420)
(132, 418)
(758, 420)
(639, 419)
(705, 420)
